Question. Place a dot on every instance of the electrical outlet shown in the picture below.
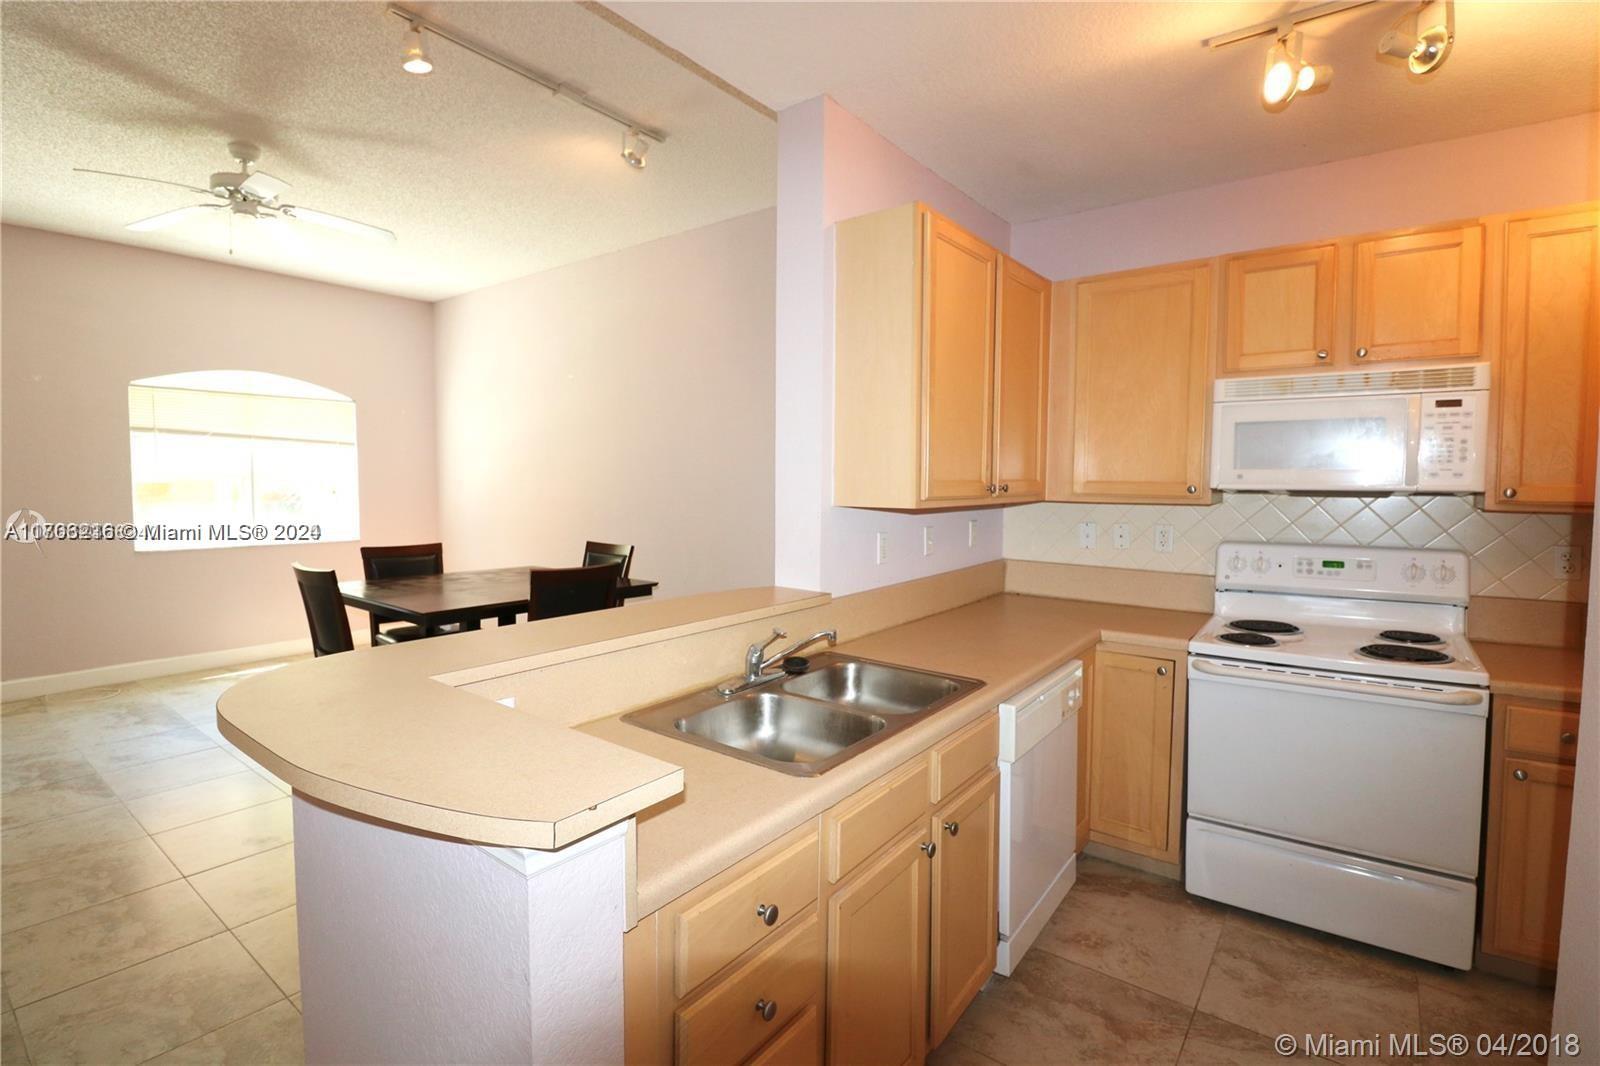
(883, 548)
(927, 540)
(1163, 538)
(972, 532)
(1121, 535)
(1086, 535)
(1569, 562)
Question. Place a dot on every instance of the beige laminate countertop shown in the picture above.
(1532, 671)
(728, 808)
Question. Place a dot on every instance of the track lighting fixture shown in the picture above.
(1424, 48)
(1288, 75)
(634, 147)
(414, 58)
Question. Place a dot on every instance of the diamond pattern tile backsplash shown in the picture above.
(1515, 556)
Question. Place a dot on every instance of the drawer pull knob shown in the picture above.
(1361, 353)
(1568, 738)
(768, 913)
(1161, 671)
(930, 849)
(1510, 494)
(1520, 775)
(1191, 489)
(767, 1008)
(1322, 353)
(953, 828)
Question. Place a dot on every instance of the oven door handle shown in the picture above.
(1457, 698)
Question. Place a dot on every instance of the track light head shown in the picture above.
(634, 147)
(1281, 81)
(1424, 49)
(413, 57)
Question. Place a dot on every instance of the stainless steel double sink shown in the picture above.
(811, 722)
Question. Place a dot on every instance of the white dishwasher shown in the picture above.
(1038, 808)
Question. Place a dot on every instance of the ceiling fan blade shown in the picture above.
(137, 177)
(338, 222)
(264, 187)
(170, 218)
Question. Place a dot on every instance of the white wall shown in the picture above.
(625, 398)
(832, 166)
(82, 319)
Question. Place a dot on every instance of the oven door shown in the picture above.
(1344, 443)
(1392, 770)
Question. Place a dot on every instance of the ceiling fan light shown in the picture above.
(634, 147)
(414, 57)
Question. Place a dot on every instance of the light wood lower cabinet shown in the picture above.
(1530, 822)
(800, 1043)
(965, 901)
(1136, 753)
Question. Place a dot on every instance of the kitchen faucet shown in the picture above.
(756, 667)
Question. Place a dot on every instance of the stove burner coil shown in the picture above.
(1410, 636)
(1254, 640)
(1260, 625)
(1404, 653)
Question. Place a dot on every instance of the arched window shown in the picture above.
(219, 456)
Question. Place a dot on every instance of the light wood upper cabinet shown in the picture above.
(1280, 309)
(1136, 357)
(878, 959)
(1131, 743)
(940, 366)
(1022, 381)
(958, 311)
(965, 901)
(1549, 381)
(1418, 295)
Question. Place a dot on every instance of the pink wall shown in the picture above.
(623, 398)
(1547, 164)
(82, 318)
(832, 166)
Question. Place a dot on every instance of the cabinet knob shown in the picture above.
(768, 913)
(1322, 353)
(1005, 488)
(953, 828)
(1510, 494)
(1361, 353)
(767, 1008)
(930, 849)
(1191, 490)
(991, 489)
(1568, 738)
(1161, 671)
(1520, 775)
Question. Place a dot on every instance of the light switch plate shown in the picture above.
(927, 540)
(1121, 535)
(1086, 535)
(882, 548)
(972, 532)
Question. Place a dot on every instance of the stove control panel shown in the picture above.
(1420, 574)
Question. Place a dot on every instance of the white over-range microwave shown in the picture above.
(1406, 429)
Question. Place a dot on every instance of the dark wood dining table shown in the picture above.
(464, 598)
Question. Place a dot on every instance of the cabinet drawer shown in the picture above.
(798, 1045)
(874, 816)
(964, 755)
(727, 1025)
(1550, 732)
(719, 928)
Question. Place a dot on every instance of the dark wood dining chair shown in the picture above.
(575, 590)
(400, 560)
(330, 626)
(597, 554)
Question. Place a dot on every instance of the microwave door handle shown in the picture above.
(1413, 440)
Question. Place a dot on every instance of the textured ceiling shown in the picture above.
(484, 176)
(1038, 110)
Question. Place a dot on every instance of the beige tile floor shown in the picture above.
(146, 882)
(147, 914)
(1133, 970)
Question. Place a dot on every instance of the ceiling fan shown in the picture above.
(248, 192)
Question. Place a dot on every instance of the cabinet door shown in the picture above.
(1021, 386)
(1417, 296)
(1549, 365)
(958, 317)
(1280, 310)
(878, 959)
(1140, 344)
(966, 904)
(1532, 823)
(1131, 749)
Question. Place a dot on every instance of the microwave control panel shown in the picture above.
(1450, 444)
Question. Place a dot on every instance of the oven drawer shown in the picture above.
(1392, 778)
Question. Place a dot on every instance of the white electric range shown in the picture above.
(1337, 725)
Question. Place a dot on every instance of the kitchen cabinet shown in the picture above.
(1134, 350)
(1279, 309)
(1136, 761)
(1532, 748)
(1548, 397)
(1418, 295)
(965, 901)
(940, 366)
(800, 1044)
(878, 958)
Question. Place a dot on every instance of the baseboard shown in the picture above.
(23, 688)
